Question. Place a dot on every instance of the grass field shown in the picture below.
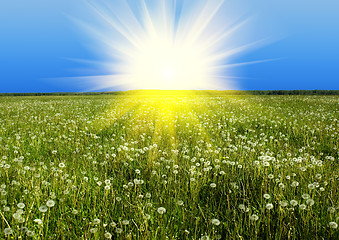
(169, 167)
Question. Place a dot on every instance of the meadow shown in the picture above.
(169, 167)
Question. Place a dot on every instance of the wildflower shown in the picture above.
(93, 230)
(295, 184)
(242, 207)
(254, 217)
(333, 225)
(8, 231)
(213, 185)
(50, 203)
(305, 196)
(30, 233)
(118, 230)
(38, 221)
(310, 202)
(20, 211)
(161, 210)
(302, 206)
(96, 221)
(125, 222)
(43, 208)
(108, 235)
(267, 196)
(331, 209)
(215, 222)
(269, 206)
(149, 204)
(16, 216)
(180, 203)
(62, 165)
(293, 202)
(21, 205)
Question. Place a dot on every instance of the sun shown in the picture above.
(165, 44)
(163, 64)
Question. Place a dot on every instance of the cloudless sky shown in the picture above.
(38, 39)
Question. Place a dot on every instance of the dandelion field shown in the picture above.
(169, 167)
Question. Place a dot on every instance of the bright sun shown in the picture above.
(161, 64)
(165, 44)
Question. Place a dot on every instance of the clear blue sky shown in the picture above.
(38, 39)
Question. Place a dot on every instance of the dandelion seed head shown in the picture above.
(302, 206)
(38, 221)
(215, 222)
(294, 202)
(21, 205)
(108, 235)
(50, 203)
(269, 206)
(96, 221)
(333, 225)
(254, 217)
(161, 210)
(305, 196)
(43, 208)
(267, 196)
(8, 231)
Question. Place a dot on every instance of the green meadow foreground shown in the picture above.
(169, 167)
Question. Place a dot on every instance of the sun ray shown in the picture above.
(167, 44)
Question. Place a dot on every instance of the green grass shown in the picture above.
(110, 164)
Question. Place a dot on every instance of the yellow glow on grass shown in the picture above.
(162, 112)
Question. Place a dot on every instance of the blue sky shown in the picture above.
(38, 39)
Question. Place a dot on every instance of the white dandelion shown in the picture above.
(269, 206)
(50, 203)
(215, 222)
(254, 217)
(161, 210)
